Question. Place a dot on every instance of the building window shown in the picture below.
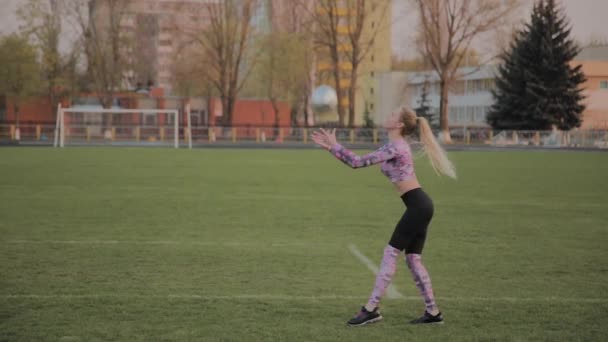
(372, 57)
(470, 112)
(435, 88)
(452, 115)
(462, 114)
(371, 106)
(371, 91)
(480, 114)
(604, 84)
(488, 84)
(478, 86)
(373, 24)
(372, 74)
(458, 88)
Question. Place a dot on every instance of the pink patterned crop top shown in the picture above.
(396, 159)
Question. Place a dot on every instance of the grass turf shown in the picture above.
(233, 245)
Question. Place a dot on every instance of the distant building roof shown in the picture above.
(593, 53)
(467, 73)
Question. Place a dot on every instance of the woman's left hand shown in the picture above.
(325, 139)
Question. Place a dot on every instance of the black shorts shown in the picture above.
(410, 233)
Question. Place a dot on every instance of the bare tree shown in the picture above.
(447, 30)
(307, 85)
(281, 68)
(329, 41)
(186, 70)
(298, 19)
(272, 70)
(188, 74)
(412, 64)
(360, 41)
(105, 46)
(41, 21)
(19, 72)
(74, 77)
(344, 34)
(225, 42)
(283, 65)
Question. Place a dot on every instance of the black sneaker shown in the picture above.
(364, 317)
(427, 318)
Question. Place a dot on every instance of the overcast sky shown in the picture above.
(588, 17)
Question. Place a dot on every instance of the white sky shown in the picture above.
(587, 17)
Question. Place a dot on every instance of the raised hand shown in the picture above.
(325, 139)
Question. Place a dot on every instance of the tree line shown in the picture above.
(232, 56)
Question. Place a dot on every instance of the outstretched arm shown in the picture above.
(349, 158)
(327, 140)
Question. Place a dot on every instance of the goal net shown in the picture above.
(121, 127)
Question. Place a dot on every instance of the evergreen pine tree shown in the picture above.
(536, 86)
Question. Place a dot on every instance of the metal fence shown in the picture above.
(203, 135)
(553, 139)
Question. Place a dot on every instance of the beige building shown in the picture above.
(594, 61)
(293, 16)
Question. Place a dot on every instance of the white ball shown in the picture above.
(324, 99)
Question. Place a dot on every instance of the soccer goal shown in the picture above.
(121, 127)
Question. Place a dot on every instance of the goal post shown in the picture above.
(188, 132)
(119, 127)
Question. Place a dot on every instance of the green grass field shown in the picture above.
(126, 244)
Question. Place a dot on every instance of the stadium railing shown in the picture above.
(43, 134)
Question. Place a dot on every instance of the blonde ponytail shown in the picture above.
(437, 156)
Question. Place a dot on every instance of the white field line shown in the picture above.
(391, 292)
(159, 242)
(353, 249)
(281, 297)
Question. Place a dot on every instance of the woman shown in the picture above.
(410, 233)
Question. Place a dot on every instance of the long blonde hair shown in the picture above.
(437, 156)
